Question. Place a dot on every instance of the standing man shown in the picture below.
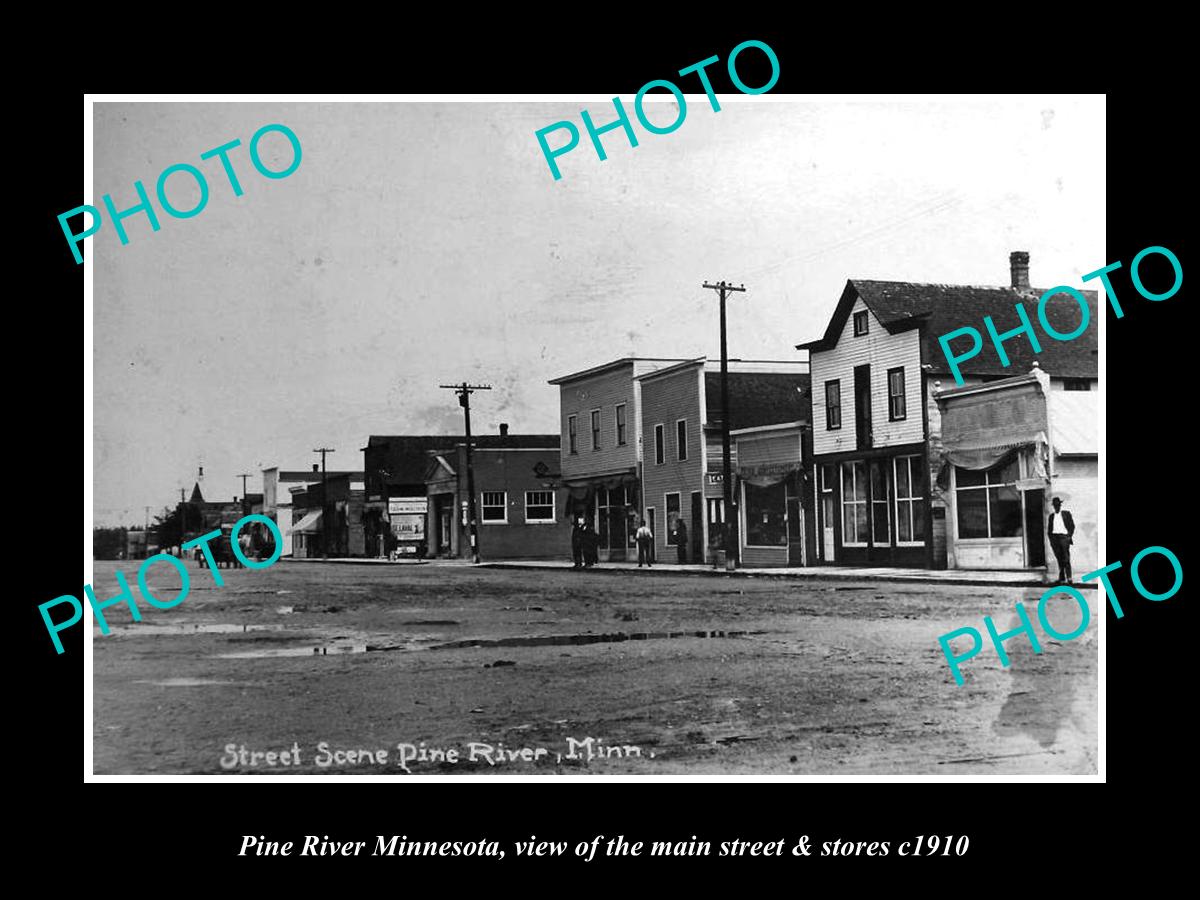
(577, 542)
(1061, 528)
(681, 537)
(645, 538)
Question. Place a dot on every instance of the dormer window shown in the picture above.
(860, 323)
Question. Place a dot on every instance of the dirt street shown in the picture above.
(511, 672)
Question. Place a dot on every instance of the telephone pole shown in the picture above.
(245, 505)
(182, 522)
(730, 523)
(324, 503)
(464, 392)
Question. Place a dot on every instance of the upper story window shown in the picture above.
(1076, 384)
(833, 405)
(896, 407)
(595, 429)
(681, 439)
(860, 323)
(572, 433)
(658, 445)
(620, 424)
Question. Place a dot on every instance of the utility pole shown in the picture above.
(182, 522)
(245, 505)
(730, 524)
(464, 392)
(324, 503)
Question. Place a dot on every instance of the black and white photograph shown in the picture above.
(515, 437)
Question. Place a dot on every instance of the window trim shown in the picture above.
(552, 504)
(660, 445)
(681, 452)
(573, 435)
(986, 487)
(897, 499)
(829, 426)
(597, 424)
(482, 505)
(863, 316)
(865, 503)
(902, 396)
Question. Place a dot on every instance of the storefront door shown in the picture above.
(828, 511)
(795, 522)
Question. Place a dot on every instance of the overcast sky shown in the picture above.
(422, 243)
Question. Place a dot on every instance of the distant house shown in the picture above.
(329, 517)
(276, 502)
(882, 475)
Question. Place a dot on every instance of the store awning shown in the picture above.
(309, 524)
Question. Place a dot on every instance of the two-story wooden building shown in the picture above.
(880, 473)
(601, 449)
(682, 467)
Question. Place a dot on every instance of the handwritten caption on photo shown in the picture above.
(236, 756)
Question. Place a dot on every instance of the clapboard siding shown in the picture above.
(665, 400)
(881, 351)
(604, 391)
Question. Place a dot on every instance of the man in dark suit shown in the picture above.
(1061, 527)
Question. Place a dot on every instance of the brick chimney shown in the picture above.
(503, 429)
(1018, 264)
(316, 468)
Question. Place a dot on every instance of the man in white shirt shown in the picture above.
(645, 537)
(1061, 528)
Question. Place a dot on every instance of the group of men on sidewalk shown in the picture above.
(585, 544)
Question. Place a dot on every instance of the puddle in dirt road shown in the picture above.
(274, 652)
(139, 628)
(549, 640)
(186, 682)
(558, 640)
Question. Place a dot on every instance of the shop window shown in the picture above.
(988, 502)
(910, 496)
(854, 504)
(495, 506)
(539, 506)
(880, 532)
(766, 515)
